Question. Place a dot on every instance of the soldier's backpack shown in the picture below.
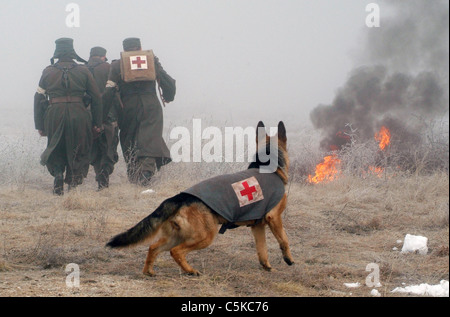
(137, 66)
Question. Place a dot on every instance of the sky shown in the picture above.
(235, 61)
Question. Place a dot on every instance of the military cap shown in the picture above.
(131, 43)
(98, 51)
(64, 48)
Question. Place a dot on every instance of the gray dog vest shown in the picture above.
(243, 196)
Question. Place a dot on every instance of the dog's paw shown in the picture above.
(149, 273)
(267, 268)
(194, 273)
(288, 261)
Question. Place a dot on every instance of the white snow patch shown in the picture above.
(440, 290)
(148, 191)
(375, 293)
(352, 285)
(415, 243)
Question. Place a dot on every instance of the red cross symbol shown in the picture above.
(248, 191)
(139, 62)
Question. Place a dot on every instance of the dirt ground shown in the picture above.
(335, 231)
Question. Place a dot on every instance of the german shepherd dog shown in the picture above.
(184, 223)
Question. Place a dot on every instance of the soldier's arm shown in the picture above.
(167, 83)
(160, 72)
(40, 106)
(111, 87)
(96, 104)
(103, 73)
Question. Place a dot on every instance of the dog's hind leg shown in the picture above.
(197, 227)
(259, 232)
(179, 253)
(165, 243)
(152, 253)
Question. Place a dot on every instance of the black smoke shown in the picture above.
(404, 79)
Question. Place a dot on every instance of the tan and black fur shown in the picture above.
(183, 223)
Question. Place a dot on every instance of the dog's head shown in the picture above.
(272, 153)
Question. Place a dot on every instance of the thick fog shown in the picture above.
(235, 62)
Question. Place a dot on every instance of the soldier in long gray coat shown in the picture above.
(61, 115)
(104, 149)
(141, 118)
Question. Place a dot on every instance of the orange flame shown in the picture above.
(326, 171)
(383, 137)
(377, 171)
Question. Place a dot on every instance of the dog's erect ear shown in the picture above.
(260, 125)
(260, 131)
(282, 132)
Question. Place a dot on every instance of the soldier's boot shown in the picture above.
(103, 180)
(58, 185)
(133, 174)
(147, 166)
(74, 182)
(145, 178)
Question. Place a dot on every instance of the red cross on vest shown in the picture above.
(138, 62)
(248, 191)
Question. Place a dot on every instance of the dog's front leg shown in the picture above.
(259, 232)
(276, 225)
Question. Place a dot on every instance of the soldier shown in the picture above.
(60, 114)
(141, 119)
(104, 150)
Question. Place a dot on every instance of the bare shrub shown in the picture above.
(418, 154)
(19, 161)
(356, 158)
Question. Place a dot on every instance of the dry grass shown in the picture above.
(334, 229)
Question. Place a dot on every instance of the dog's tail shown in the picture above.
(148, 226)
